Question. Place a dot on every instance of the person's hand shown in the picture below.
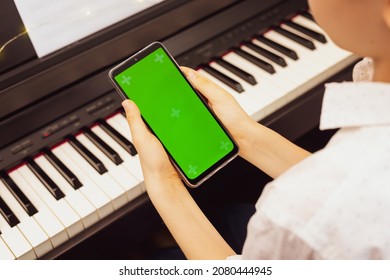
(191, 229)
(231, 114)
(156, 166)
(155, 163)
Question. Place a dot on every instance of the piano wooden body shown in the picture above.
(59, 115)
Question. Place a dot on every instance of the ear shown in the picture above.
(386, 13)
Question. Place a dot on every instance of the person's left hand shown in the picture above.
(155, 163)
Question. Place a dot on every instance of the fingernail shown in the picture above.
(191, 75)
(125, 104)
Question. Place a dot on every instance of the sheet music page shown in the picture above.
(54, 24)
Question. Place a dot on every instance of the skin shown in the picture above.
(361, 26)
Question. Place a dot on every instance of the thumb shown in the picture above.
(213, 93)
(137, 126)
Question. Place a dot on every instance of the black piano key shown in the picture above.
(278, 47)
(45, 179)
(7, 213)
(63, 170)
(296, 38)
(107, 150)
(18, 194)
(223, 78)
(118, 137)
(237, 71)
(89, 157)
(309, 32)
(266, 53)
(308, 16)
(255, 60)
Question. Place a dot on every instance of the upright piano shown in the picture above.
(68, 168)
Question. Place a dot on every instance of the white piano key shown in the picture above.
(318, 63)
(90, 190)
(271, 86)
(45, 218)
(258, 92)
(15, 241)
(327, 50)
(60, 208)
(29, 227)
(246, 101)
(282, 73)
(311, 70)
(301, 66)
(123, 128)
(338, 52)
(119, 123)
(138, 187)
(102, 181)
(300, 70)
(321, 59)
(309, 24)
(117, 172)
(263, 88)
(299, 19)
(288, 74)
(5, 253)
(324, 61)
(75, 198)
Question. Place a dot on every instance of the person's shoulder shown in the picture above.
(335, 200)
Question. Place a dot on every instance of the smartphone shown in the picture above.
(196, 141)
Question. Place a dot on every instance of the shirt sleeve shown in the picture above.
(268, 240)
(363, 70)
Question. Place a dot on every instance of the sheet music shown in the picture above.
(54, 24)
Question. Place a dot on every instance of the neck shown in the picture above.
(382, 70)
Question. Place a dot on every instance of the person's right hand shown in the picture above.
(235, 119)
(259, 145)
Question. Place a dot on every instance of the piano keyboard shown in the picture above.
(275, 68)
(55, 195)
(52, 197)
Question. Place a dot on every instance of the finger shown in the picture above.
(138, 128)
(209, 89)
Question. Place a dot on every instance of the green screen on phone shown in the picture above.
(175, 113)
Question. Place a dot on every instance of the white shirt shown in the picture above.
(335, 204)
